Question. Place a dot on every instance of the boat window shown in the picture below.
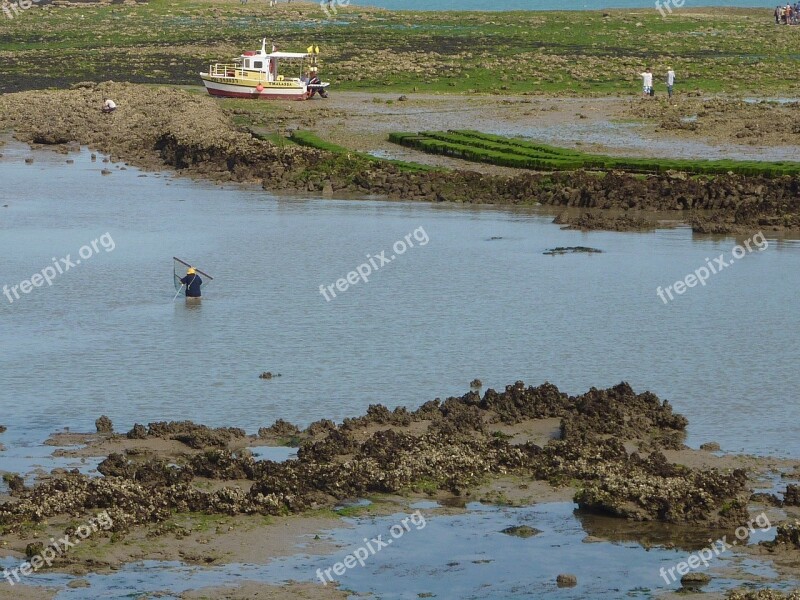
(247, 64)
(257, 64)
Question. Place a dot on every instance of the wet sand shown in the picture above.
(244, 591)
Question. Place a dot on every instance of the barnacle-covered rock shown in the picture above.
(380, 452)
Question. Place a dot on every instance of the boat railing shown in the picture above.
(225, 70)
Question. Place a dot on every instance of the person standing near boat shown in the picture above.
(315, 81)
(192, 282)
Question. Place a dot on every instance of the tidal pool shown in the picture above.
(462, 556)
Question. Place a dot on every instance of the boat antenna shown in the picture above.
(263, 45)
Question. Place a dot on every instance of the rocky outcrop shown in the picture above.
(587, 221)
(787, 537)
(191, 434)
(763, 595)
(791, 497)
(451, 447)
(104, 425)
(280, 429)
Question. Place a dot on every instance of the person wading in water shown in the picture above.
(192, 281)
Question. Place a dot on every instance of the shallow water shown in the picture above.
(107, 338)
(449, 556)
(478, 300)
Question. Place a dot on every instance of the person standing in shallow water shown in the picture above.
(192, 282)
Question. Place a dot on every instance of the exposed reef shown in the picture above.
(447, 446)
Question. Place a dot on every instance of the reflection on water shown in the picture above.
(686, 538)
(452, 556)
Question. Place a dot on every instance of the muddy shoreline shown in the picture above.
(183, 491)
(190, 133)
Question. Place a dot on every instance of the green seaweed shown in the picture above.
(518, 153)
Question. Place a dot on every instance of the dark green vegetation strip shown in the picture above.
(168, 42)
(509, 152)
(306, 138)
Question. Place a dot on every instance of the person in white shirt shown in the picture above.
(647, 82)
(670, 81)
(109, 106)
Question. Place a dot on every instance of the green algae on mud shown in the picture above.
(526, 154)
(580, 53)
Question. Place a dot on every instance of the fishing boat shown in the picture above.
(255, 74)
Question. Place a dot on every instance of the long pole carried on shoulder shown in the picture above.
(183, 262)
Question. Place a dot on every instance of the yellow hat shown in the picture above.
(191, 271)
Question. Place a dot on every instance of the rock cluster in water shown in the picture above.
(558, 250)
(608, 222)
(104, 425)
(452, 446)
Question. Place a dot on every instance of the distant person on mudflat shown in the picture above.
(670, 81)
(647, 83)
(109, 106)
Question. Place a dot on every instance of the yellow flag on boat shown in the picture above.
(310, 50)
(316, 49)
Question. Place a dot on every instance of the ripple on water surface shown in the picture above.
(107, 338)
